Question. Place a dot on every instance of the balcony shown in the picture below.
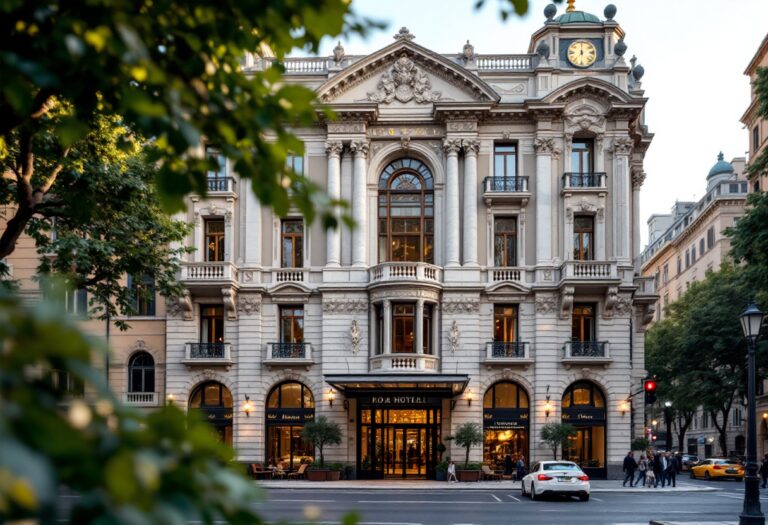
(584, 181)
(207, 354)
(586, 353)
(600, 273)
(196, 274)
(409, 363)
(289, 275)
(140, 399)
(505, 189)
(395, 272)
(217, 185)
(507, 353)
(289, 354)
(506, 274)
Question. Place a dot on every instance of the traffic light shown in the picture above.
(649, 387)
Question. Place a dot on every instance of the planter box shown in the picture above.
(333, 475)
(317, 475)
(441, 475)
(468, 475)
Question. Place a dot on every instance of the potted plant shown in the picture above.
(334, 471)
(466, 436)
(441, 470)
(555, 435)
(321, 432)
(440, 450)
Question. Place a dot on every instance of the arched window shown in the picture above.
(505, 395)
(289, 406)
(505, 425)
(583, 394)
(406, 212)
(141, 373)
(214, 401)
(584, 407)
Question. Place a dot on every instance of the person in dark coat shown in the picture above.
(521, 467)
(764, 471)
(630, 466)
(671, 469)
(508, 465)
(658, 469)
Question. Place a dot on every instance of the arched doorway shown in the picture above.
(584, 408)
(506, 412)
(289, 406)
(213, 401)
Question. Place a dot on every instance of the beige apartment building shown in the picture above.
(755, 124)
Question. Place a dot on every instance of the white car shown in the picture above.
(556, 477)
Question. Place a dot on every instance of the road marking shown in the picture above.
(422, 502)
(514, 498)
(305, 500)
(598, 499)
(495, 497)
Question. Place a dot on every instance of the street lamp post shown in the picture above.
(668, 421)
(751, 322)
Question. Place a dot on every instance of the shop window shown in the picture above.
(213, 401)
(141, 373)
(289, 406)
(214, 240)
(211, 324)
(583, 237)
(505, 241)
(505, 425)
(403, 321)
(292, 243)
(583, 406)
(406, 212)
(143, 291)
(291, 324)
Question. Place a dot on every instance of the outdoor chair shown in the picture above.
(489, 474)
(299, 474)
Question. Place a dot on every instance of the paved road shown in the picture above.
(436, 507)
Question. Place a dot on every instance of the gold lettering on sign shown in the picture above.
(407, 131)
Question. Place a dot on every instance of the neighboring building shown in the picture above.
(492, 277)
(683, 246)
(756, 126)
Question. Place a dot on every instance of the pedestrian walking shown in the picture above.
(508, 465)
(642, 468)
(452, 473)
(659, 466)
(630, 465)
(764, 471)
(671, 470)
(521, 467)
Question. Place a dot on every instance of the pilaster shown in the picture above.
(471, 147)
(452, 147)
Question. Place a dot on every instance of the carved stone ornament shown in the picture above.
(404, 34)
(611, 298)
(453, 336)
(229, 298)
(638, 178)
(544, 145)
(468, 52)
(461, 306)
(471, 146)
(404, 82)
(248, 304)
(345, 306)
(180, 306)
(546, 304)
(452, 146)
(360, 147)
(405, 141)
(585, 118)
(622, 146)
(333, 148)
(623, 306)
(338, 53)
(354, 336)
(139, 345)
(566, 302)
(648, 314)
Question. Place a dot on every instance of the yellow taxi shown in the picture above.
(718, 468)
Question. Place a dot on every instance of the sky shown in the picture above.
(694, 53)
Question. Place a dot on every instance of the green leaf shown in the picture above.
(69, 130)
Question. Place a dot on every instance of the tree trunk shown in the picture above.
(322, 459)
(682, 424)
(466, 461)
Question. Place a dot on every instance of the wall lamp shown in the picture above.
(469, 397)
(248, 406)
(171, 399)
(331, 396)
(624, 407)
(547, 405)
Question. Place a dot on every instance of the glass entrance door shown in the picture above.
(405, 452)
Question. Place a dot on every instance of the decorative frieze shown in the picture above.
(249, 304)
(461, 306)
(346, 127)
(345, 306)
(410, 131)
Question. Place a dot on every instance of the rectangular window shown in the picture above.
(710, 238)
(505, 323)
(211, 323)
(505, 161)
(582, 156)
(295, 163)
(292, 324)
(657, 280)
(701, 246)
(666, 299)
(505, 241)
(687, 258)
(214, 240)
(292, 243)
(217, 169)
(704, 420)
(583, 322)
(143, 291)
(666, 273)
(736, 417)
(693, 254)
(583, 237)
(379, 348)
(426, 330)
(679, 265)
(65, 384)
(755, 139)
(403, 323)
(76, 302)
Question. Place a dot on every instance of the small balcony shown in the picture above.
(586, 353)
(506, 274)
(401, 362)
(289, 354)
(508, 353)
(505, 189)
(207, 354)
(206, 274)
(217, 185)
(289, 275)
(589, 272)
(140, 399)
(395, 272)
(584, 181)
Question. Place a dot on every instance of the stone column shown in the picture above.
(229, 236)
(638, 177)
(346, 194)
(333, 237)
(471, 148)
(418, 329)
(452, 202)
(621, 189)
(198, 225)
(568, 235)
(544, 148)
(600, 240)
(435, 329)
(387, 326)
(251, 230)
(359, 203)
(372, 330)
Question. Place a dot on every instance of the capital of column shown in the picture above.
(452, 146)
(622, 146)
(638, 178)
(360, 148)
(544, 145)
(471, 146)
(333, 148)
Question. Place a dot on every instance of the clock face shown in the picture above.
(582, 53)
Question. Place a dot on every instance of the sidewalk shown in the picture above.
(597, 486)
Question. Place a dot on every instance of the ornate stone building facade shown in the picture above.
(491, 277)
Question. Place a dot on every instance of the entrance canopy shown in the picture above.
(438, 385)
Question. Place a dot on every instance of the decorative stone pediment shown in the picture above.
(584, 115)
(405, 73)
(290, 292)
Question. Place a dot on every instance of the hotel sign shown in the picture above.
(400, 400)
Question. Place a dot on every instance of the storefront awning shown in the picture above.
(443, 385)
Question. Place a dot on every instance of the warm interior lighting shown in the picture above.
(547, 407)
(469, 396)
(171, 399)
(765, 415)
(248, 406)
(624, 407)
(331, 396)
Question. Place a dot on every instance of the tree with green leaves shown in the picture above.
(321, 432)
(556, 435)
(468, 435)
(749, 238)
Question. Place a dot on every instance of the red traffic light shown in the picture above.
(650, 385)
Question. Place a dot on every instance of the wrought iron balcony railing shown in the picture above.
(507, 350)
(585, 349)
(220, 184)
(208, 351)
(505, 184)
(290, 351)
(584, 180)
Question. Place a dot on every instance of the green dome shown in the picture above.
(577, 17)
(721, 166)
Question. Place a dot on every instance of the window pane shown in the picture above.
(581, 396)
(505, 395)
(291, 395)
(309, 401)
(211, 395)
